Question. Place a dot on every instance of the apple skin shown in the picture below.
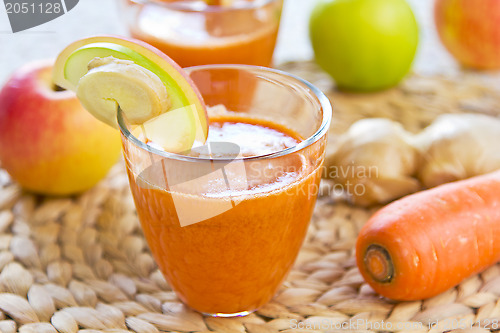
(365, 45)
(49, 143)
(470, 30)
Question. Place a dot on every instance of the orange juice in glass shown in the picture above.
(226, 220)
(194, 33)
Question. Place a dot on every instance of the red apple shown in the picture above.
(49, 143)
(470, 30)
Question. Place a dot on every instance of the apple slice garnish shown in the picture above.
(107, 72)
(176, 123)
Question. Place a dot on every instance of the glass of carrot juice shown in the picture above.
(225, 221)
(194, 33)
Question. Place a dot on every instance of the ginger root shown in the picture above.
(458, 146)
(377, 161)
(374, 162)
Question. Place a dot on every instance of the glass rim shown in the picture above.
(322, 100)
(209, 8)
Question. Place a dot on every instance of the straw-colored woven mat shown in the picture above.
(81, 263)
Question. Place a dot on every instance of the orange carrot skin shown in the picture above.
(435, 238)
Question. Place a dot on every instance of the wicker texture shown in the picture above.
(82, 264)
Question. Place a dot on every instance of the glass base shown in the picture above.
(228, 315)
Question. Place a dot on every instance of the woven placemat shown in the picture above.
(82, 264)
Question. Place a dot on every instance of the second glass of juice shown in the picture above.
(194, 33)
(226, 220)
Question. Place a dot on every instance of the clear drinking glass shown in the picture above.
(226, 231)
(194, 33)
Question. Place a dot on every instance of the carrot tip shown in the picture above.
(378, 264)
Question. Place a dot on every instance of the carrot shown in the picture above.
(428, 242)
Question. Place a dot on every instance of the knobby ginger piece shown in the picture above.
(111, 82)
(458, 146)
(374, 162)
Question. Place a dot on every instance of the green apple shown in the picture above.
(364, 45)
(135, 72)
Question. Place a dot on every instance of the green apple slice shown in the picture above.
(72, 67)
(176, 123)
